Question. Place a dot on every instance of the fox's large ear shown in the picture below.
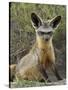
(36, 21)
(55, 22)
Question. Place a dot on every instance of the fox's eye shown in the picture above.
(50, 33)
(46, 33)
(41, 33)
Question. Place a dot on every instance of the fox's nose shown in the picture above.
(46, 39)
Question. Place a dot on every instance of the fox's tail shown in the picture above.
(12, 72)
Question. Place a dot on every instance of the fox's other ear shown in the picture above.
(55, 22)
(36, 21)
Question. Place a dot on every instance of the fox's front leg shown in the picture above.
(54, 69)
(44, 73)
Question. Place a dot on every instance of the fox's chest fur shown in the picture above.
(46, 58)
(46, 52)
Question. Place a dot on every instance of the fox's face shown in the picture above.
(44, 30)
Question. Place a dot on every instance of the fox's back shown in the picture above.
(28, 67)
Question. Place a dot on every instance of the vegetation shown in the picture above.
(26, 83)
